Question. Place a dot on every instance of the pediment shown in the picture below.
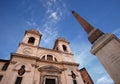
(50, 68)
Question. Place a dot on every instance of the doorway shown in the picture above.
(50, 81)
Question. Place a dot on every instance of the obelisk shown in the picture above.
(105, 46)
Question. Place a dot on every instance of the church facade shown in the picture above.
(32, 64)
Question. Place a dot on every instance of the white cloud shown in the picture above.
(49, 34)
(49, 11)
(31, 23)
(49, 3)
(117, 32)
(53, 0)
(104, 80)
(53, 15)
(83, 54)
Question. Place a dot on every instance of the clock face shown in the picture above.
(27, 51)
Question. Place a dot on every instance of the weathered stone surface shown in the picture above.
(107, 50)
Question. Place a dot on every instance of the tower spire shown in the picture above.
(87, 27)
(93, 34)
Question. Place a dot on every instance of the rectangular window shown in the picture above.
(18, 80)
(4, 68)
(74, 82)
(1, 76)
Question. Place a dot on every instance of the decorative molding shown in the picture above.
(18, 66)
(24, 56)
(34, 65)
(28, 45)
(52, 50)
(22, 70)
(13, 62)
(101, 42)
(50, 68)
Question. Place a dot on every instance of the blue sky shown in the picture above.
(53, 19)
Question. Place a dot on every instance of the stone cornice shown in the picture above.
(63, 62)
(29, 45)
(102, 41)
(70, 63)
(39, 60)
(24, 56)
(33, 32)
(55, 51)
(46, 49)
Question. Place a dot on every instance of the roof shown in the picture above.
(33, 31)
(62, 39)
(3, 60)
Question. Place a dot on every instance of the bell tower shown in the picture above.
(30, 41)
(62, 45)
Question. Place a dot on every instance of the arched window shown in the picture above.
(49, 58)
(31, 40)
(55, 59)
(64, 47)
(43, 58)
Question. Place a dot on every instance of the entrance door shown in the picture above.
(50, 81)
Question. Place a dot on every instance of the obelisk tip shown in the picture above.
(73, 11)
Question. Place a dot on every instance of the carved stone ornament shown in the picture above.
(13, 62)
(73, 75)
(34, 65)
(21, 71)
